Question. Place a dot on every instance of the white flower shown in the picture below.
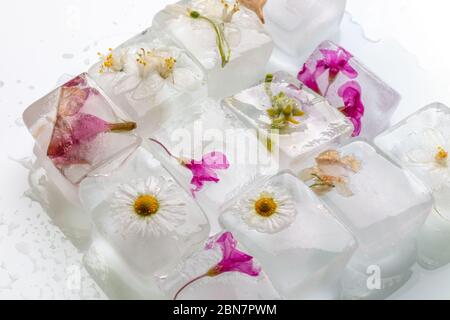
(147, 71)
(268, 211)
(113, 61)
(432, 154)
(151, 207)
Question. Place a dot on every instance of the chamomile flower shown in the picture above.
(269, 210)
(151, 207)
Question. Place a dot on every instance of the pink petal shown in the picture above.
(216, 160)
(308, 79)
(348, 70)
(86, 127)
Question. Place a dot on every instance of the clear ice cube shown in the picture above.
(250, 45)
(421, 144)
(299, 25)
(385, 210)
(165, 78)
(300, 244)
(208, 128)
(226, 286)
(320, 127)
(149, 220)
(79, 131)
(349, 86)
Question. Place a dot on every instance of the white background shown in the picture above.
(43, 40)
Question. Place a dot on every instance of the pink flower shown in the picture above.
(335, 61)
(233, 260)
(74, 129)
(309, 79)
(203, 171)
(353, 108)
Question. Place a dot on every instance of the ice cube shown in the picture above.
(180, 282)
(79, 131)
(115, 277)
(150, 77)
(349, 86)
(383, 205)
(149, 220)
(298, 241)
(232, 154)
(244, 47)
(320, 125)
(299, 25)
(421, 144)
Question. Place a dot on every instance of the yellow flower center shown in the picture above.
(108, 61)
(265, 207)
(441, 156)
(146, 205)
(169, 65)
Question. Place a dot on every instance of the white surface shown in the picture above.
(43, 40)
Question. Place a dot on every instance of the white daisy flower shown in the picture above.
(268, 211)
(433, 154)
(151, 207)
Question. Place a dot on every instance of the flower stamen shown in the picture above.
(146, 205)
(109, 63)
(266, 207)
(441, 156)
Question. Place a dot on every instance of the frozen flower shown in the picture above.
(203, 170)
(232, 260)
(256, 6)
(151, 207)
(268, 211)
(353, 108)
(145, 73)
(335, 61)
(308, 78)
(112, 61)
(284, 109)
(74, 129)
(432, 153)
(331, 172)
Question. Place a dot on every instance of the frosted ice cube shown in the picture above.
(349, 86)
(115, 277)
(207, 129)
(250, 45)
(300, 244)
(163, 80)
(298, 25)
(147, 218)
(385, 209)
(78, 131)
(319, 127)
(421, 143)
(226, 286)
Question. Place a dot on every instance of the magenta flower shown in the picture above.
(74, 129)
(202, 171)
(335, 61)
(353, 108)
(233, 260)
(309, 79)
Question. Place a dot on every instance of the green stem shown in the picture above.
(220, 38)
(121, 127)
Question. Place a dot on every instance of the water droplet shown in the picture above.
(87, 62)
(2, 84)
(68, 56)
(31, 87)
